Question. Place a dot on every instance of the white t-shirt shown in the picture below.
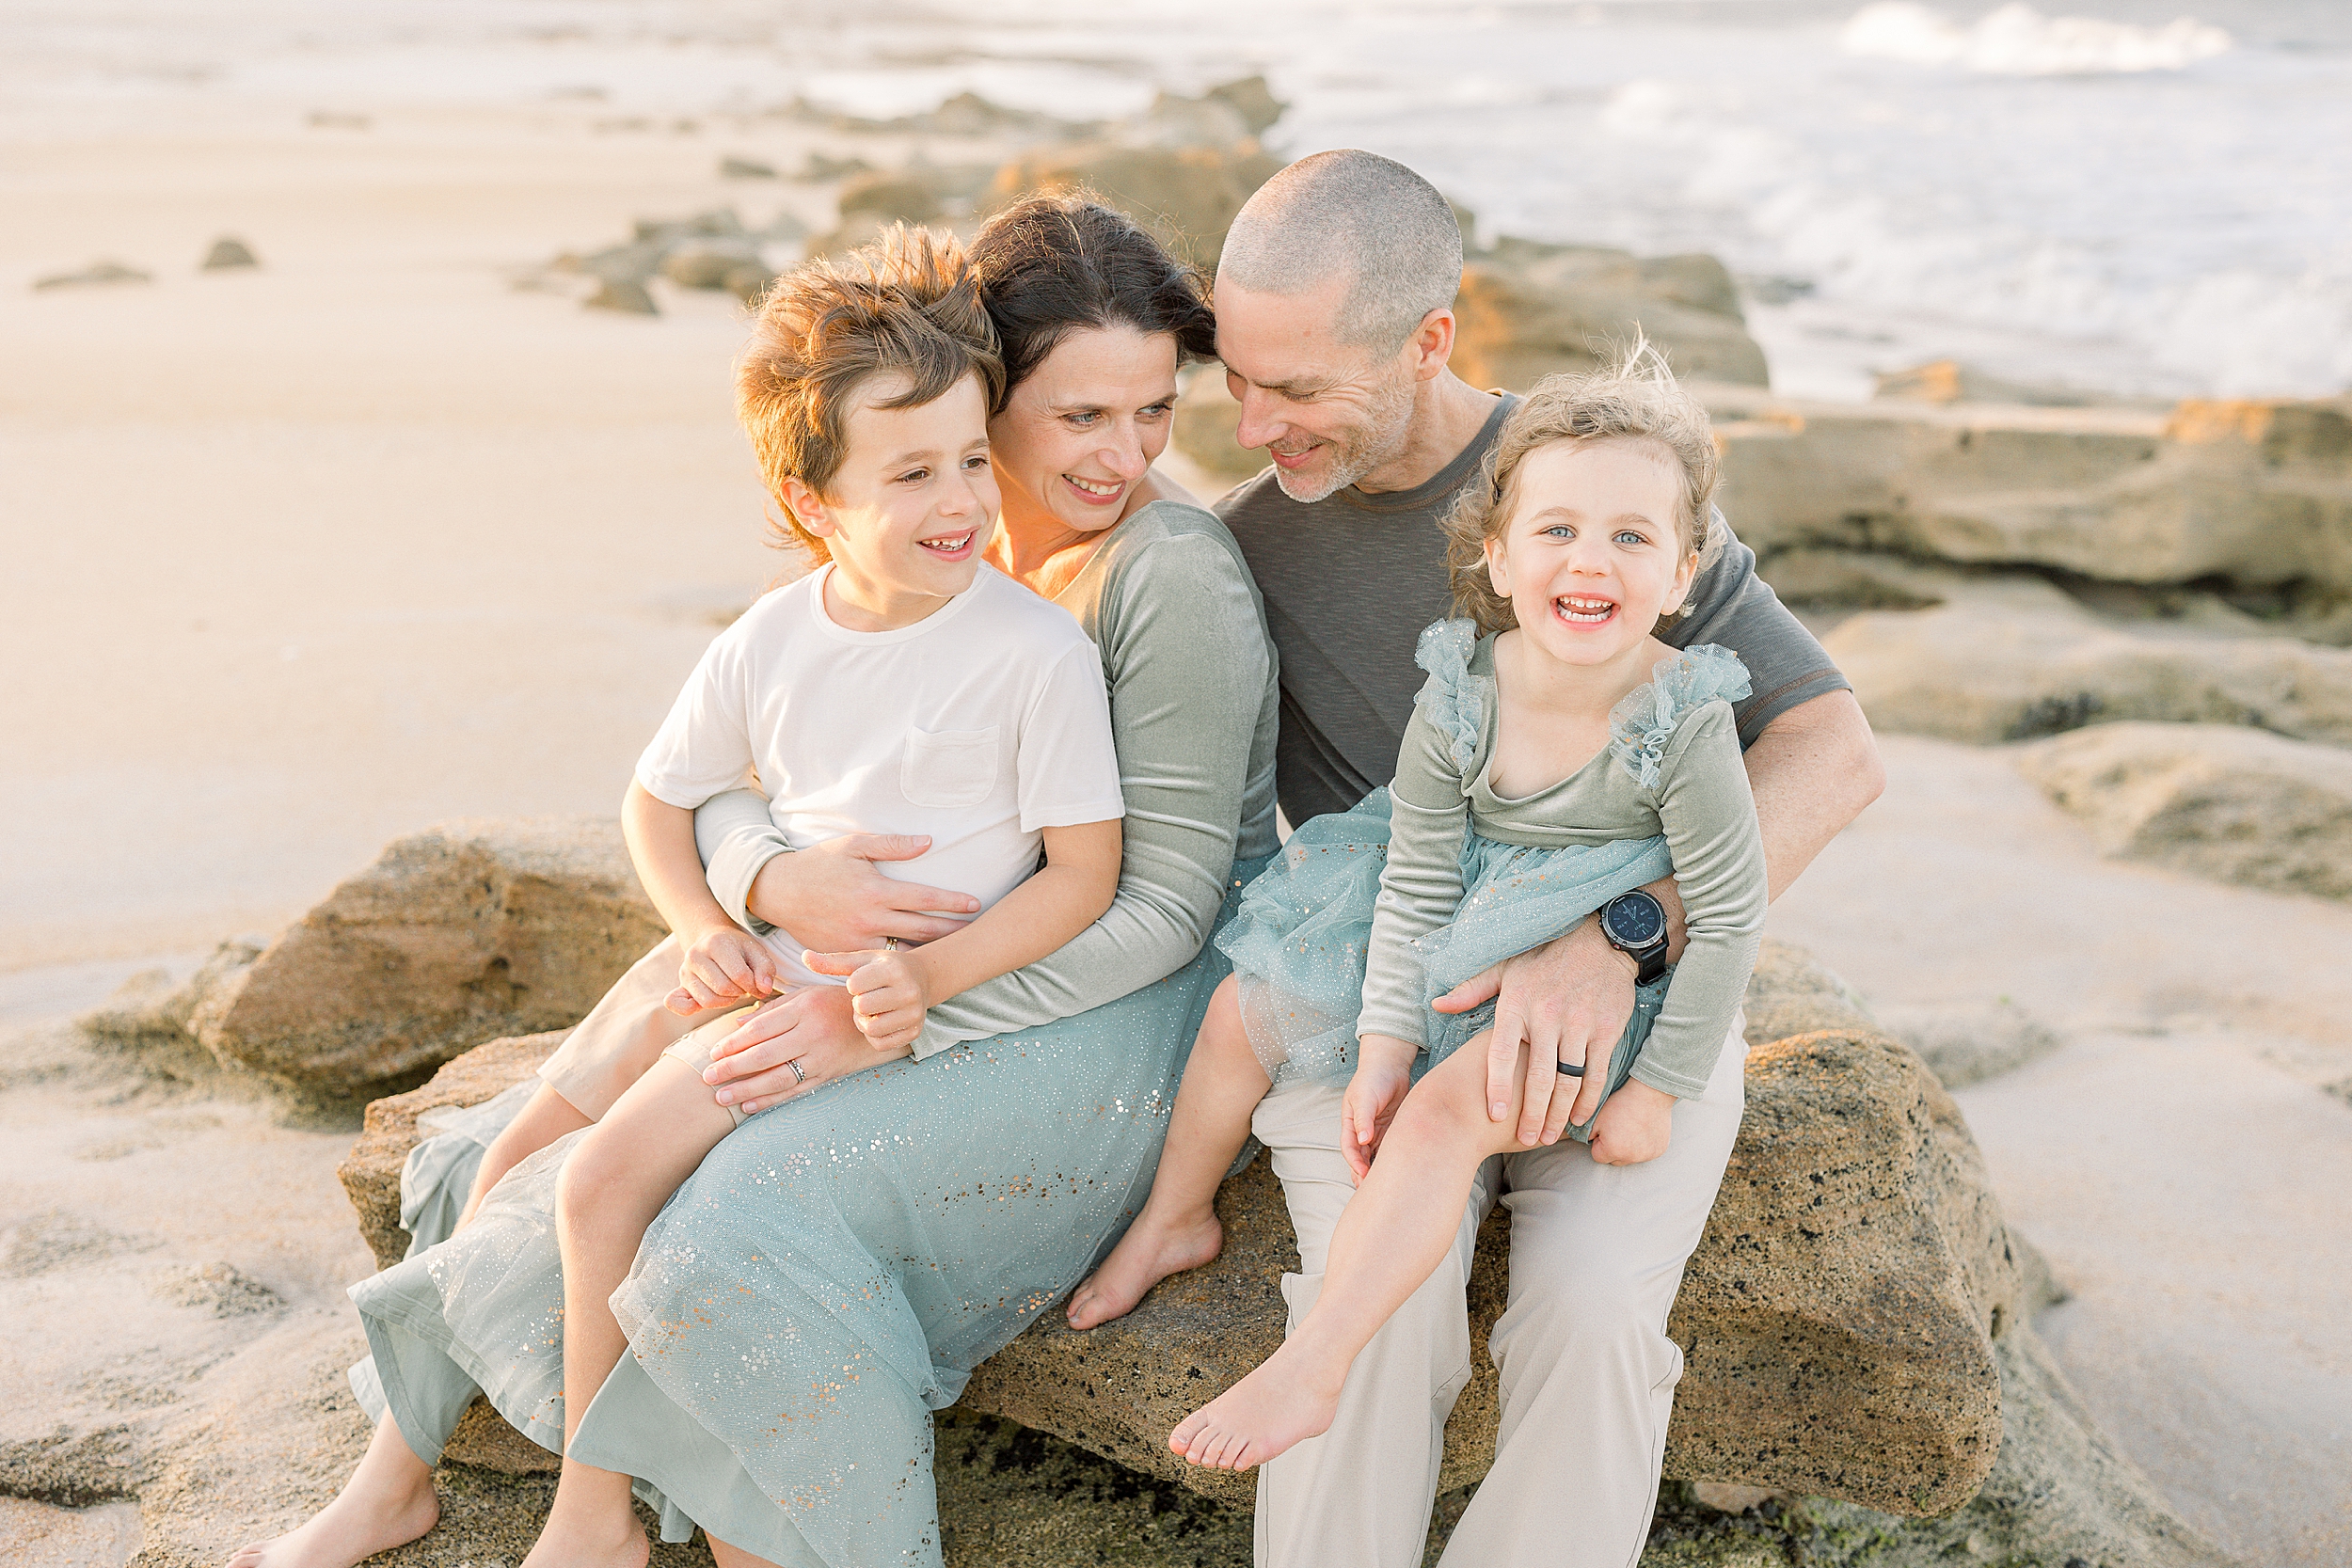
(982, 724)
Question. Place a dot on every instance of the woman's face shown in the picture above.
(1077, 437)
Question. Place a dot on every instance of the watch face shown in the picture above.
(1634, 920)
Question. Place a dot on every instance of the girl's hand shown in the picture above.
(811, 1028)
(1383, 1074)
(1634, 1125)
(889, 993)
(725, 967)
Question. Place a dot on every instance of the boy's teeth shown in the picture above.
(949, 546)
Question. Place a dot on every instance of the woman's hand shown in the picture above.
(811, 1027)
(1384, 1071)
(829, 896)
(1636, 1125)
(724, 966)
(889, 993)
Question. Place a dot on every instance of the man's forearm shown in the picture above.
(1812, 771)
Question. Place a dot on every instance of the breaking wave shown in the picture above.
(2018, 41)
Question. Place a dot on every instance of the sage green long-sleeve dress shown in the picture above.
(840, 1263)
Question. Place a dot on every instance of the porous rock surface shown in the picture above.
(2234, 804)
(455, 934)
(1529, 309)
(1185, 196)
(2015, 659)
(2257, 494)
(1835, 1320)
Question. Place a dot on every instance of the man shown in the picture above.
(1335, 321)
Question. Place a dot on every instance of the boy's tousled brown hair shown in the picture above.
(1634, 398)
(906, 304)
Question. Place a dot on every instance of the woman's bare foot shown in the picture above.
(350, 1529)
(1151, 1251)
(584, 1538)
(1281, 1404)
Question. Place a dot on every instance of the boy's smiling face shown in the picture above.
(911, 508)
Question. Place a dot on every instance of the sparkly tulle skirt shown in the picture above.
(828, 1279)
(1299, 939)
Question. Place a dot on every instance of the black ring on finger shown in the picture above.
(1574, 1070)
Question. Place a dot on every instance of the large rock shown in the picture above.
(2234, 804)
(2015, 659)
(1528, 309)
(1187, 195)
(2256, 494)
(1836, 1319)
(455, 934)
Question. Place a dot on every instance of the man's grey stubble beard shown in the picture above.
(1386, 422)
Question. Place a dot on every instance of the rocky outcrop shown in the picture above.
(455, 934)
(2254, 494)
(1527, 311)
(97, 272)
(2015, 659)
(2234, 804)
(1965, 1043)
(1187, 196)
(227, 254)
(1836, 1319)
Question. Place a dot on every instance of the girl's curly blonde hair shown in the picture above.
(1634, 398)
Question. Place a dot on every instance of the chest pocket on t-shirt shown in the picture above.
(949, 768)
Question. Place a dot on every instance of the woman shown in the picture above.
(843, 1260)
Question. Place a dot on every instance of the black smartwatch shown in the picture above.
(1635, 924)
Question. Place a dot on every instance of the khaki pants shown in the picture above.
(1588, 1373)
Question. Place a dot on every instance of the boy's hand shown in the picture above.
(1384, 1071)
(889, 993)
(723, 967)
(1635, 1124)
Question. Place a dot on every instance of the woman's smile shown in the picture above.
(1096, 492)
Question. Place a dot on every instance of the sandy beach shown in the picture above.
(306, 557)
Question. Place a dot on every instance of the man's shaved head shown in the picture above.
(1350, 214)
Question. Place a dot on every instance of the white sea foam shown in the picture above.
(2018, 41)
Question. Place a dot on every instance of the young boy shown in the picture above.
(902, 688)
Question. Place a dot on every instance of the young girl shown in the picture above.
(1556, 740)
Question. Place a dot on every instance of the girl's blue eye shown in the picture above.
(1559, 530)
(1627, 536)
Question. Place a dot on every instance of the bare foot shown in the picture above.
(350, 1529)
(1151, 1251)
(583, 1538)
(1282, 1404)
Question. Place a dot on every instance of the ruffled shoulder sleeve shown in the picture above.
(1455, 701)
(1647, 717)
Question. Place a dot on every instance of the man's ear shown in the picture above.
(1432, 343)
(808, 507)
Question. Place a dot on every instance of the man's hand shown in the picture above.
(724, 966)
(812, 1027)
(1384, 1071)
(1636, 1125)
(1568, 999)
(889, 993)
(830, 897)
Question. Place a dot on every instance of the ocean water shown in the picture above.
(2122, 198)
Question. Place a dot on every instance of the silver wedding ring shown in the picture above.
(798, 1076)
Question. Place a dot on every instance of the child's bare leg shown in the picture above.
(1395, 1232)
(388, 1502)
(734, 1557)
(1178, 1227)
(613, 1186)
(546, 1117)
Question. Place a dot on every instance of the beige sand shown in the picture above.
(2177, 1159)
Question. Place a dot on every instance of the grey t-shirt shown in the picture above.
(1350, 581)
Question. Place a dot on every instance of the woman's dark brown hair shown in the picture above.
(1052, 264)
